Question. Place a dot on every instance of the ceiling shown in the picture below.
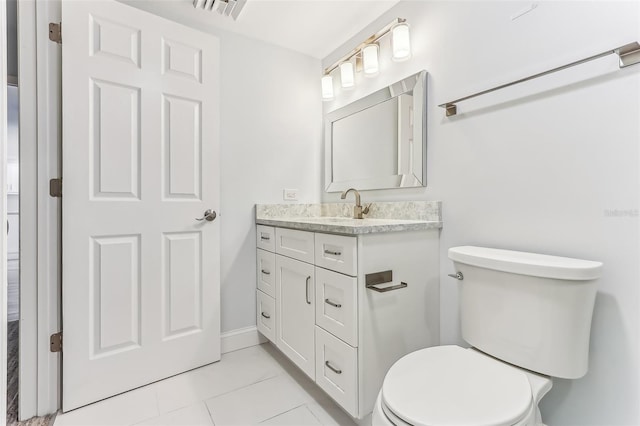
(313, 27)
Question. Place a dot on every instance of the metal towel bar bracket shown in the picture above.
(629, 54)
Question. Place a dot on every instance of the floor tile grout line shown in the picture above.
(205, 399)
(314, 414)
(243, 387)
(284, 412)
(213, 422)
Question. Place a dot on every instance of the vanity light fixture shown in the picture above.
(370, 64)
(400, 42)
(367, 55)
(347, 76)
(327, 87)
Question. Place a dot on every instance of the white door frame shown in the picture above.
(40, 130)
(3, 213)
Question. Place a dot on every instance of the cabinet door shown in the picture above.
(295, 312)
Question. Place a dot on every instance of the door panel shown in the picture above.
(115, 140)
(182, 147)
(182, 284)
(140, 165)
(115, 294)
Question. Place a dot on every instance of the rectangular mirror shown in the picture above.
(379, 141)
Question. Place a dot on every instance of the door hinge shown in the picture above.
(55, 187)
(55, 32)
(55, 342)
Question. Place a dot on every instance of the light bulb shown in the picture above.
(327, 88)
(370, 60)
(347, 77)
(400, 42)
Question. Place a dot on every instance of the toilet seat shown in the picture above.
(450, 385)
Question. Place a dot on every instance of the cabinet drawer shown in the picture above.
(266, 238)
(336, 309)
(337, 370)
(295, 244)
(337, 252)
(266, 315)
(266, 266)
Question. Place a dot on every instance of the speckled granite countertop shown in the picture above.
(335, 218)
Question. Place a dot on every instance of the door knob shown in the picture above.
(209, 215)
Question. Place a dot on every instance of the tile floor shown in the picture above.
(252, 386)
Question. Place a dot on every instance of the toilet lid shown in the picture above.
(449, 385)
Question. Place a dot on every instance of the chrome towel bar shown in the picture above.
(629, 54)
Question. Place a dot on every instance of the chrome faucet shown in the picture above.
(358, 211)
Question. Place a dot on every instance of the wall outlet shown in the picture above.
(290, 194)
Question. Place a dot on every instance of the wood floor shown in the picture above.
(12, 382)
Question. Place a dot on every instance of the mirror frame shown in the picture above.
(415, 81)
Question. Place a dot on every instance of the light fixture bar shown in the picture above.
(372, 39)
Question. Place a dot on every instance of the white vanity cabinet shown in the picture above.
(346, 307)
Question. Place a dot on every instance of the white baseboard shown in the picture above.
(240, 339)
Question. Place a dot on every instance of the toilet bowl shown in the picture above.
(527, 317)
(451, 385)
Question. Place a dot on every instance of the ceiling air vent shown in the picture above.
(223, 7)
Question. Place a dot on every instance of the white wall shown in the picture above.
(270, 139)
(538, 167)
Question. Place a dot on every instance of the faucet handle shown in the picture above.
(366, 209)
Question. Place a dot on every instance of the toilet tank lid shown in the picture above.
(523, 263)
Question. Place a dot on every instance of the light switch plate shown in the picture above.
(290, 194)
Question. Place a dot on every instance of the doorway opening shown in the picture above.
(13, 215)
(13, 253)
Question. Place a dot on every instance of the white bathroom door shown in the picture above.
(141, 276)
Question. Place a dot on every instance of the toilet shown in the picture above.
(527, 318)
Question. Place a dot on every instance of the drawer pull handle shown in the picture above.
(333, 253)
(265, 237)
(334, 304)
(307, 290)
(332, 368)
(265, 315)
(385, 289)
(265, 272)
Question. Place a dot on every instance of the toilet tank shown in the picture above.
(527, 309)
